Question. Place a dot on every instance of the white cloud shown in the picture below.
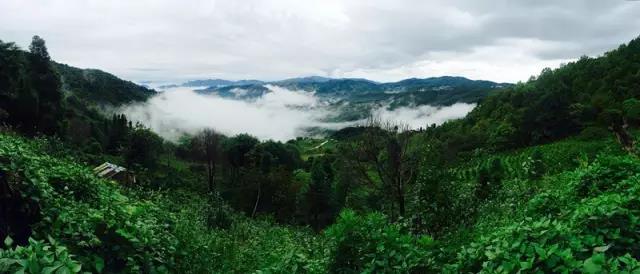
(425, 115)
(277, 115)
(280, 114)
(171, 40)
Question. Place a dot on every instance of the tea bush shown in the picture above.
(92, 217)
(39, 257)
(370, 244)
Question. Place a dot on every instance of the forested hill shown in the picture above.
(40, 96)
(541, 177)
(91, 85)
(589, 95)
(99, 86)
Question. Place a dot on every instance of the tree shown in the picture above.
(382, 157)
(143, 148)
(46, 84)
(208, 142)
(39, 48)
(631, 109)
(619, 126)
(117, 130)
(318, 195)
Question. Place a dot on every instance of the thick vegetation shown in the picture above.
(540, 178)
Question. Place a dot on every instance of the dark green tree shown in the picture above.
(143, 148)
(319, 193)
(39, 48)
(46, 84)
(209, 144)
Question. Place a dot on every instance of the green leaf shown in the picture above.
(8, 241)
(593, 264)
(99, 264)
(75, 268)
(50, 269)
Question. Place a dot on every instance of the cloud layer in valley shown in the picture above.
(425, 115)
(280, 114)
(171, 40)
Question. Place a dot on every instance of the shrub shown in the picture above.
(39, 257)
(594, 133)
(605, 173)
(90, 216)
(371, 244)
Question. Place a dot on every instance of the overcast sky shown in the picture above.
(172, 40)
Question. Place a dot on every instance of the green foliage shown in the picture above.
(247, 245)
(30, 89)
(631, 110)
(602, 175)
(594, 133)
(97, 87)
(39, 257)
(370, 244)
(489, 179)
(595, 235)
(318, 195)
(143, 148)
(499, 190)
(90, 216)
(534, 167)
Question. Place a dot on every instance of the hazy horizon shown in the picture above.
(383, 41)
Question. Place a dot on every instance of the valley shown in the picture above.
(182, 154)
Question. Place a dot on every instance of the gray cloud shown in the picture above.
(175, 40)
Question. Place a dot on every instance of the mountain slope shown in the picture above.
(600, 92)
(100, 87)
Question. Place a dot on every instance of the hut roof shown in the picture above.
(108, 170)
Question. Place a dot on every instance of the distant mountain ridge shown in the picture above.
(327, 84)
(213, 83)
(353, 98)
(445, 90)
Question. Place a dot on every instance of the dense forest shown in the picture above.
(541, 177)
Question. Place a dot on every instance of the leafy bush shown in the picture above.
(604, 173)
(593, 133)
(370, 244)
(91, 216)
(595, 234)
(39, 257)
(219, 215)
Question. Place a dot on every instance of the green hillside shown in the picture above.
(100, 87)
(542, 177)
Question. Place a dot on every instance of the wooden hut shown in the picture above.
(115, 172)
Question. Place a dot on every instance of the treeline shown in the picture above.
(30, 94)
(591, 96)
(263, 178)
(35, 99)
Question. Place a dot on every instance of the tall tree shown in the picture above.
(38, 48)
(209, 143)
(382, 157)
(46, 84)
(318, 195)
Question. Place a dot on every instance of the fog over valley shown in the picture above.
(279, 114)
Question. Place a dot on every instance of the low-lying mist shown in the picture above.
(280, 114)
